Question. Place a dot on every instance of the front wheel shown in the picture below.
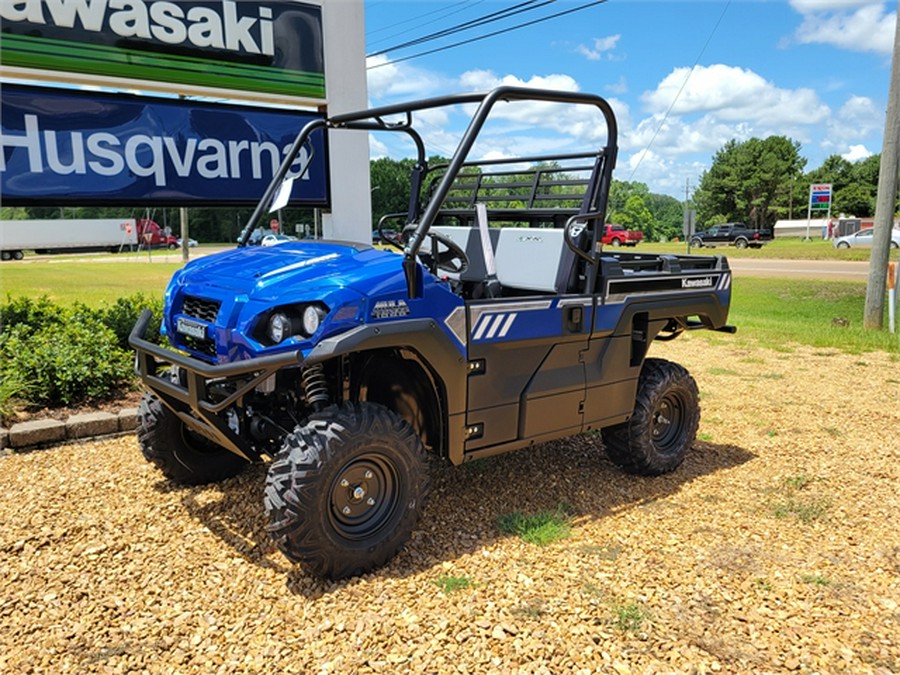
(696, 243)
(182, 455)
(843, 244)
(664, 425)
(346, 490)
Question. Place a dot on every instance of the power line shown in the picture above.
(445, 12)
(488, 35)
(499, 15)
(683, 85)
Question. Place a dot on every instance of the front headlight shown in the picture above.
(312, 318)
(279, 327)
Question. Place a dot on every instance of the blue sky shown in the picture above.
(683, 77)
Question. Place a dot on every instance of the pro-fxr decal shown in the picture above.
(724, 282)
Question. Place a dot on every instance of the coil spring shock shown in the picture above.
(315, 385)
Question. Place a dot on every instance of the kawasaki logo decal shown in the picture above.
(272, 46)
(166, 22)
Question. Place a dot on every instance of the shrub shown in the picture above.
(121, 316)
(22, 311)
(53, 355)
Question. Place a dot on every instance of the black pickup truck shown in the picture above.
(731, 234)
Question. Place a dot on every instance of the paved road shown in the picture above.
(838, 270)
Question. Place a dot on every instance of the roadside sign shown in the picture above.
(820, 197)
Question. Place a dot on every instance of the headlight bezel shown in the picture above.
(289, 322)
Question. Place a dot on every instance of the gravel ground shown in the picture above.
(774, 548)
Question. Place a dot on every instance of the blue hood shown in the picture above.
(256, 271)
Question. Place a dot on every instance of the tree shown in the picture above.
(750, 182)
(390, 186)
(634, 215)
(668, 217)
(854, 199)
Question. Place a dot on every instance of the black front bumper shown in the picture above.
(190, 397)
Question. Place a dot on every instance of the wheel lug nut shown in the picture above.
(368, 474)
(346, 510)
(370, 501)
(345, 483)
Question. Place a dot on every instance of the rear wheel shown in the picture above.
(664, 425)
(346, 491)
(182, 455)
(741, 243)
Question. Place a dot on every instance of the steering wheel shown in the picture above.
(451, 259)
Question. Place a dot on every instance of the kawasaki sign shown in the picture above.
(266, 46)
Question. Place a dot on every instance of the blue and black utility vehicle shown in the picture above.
(498, 323)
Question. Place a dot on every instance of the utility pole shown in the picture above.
(873, 316)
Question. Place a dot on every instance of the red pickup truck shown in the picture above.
(617, 235)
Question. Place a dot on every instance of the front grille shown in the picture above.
(200, 308)
(203, 346)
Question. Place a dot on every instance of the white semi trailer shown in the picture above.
(94, 234)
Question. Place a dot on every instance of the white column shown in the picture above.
(343, 26)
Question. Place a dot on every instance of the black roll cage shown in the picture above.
(595, 199)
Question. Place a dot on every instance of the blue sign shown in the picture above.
(75, 147)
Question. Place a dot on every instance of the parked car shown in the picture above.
(191, 243)
(273, 239)
(617, 235)
(864, 238)
(731, 234)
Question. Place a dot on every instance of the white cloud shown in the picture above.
(858, 118)
(401, 80)
(734, 93)
(856, 153)
(599, 48)
(620, 87)
(861, 26)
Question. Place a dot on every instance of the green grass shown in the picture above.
(449, 583)
(791, 248)
(629, 616)
(92, 283)
(541, 529)
(789, 501)
(776, 312)
(816, 579)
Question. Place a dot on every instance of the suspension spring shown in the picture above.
(316, 386)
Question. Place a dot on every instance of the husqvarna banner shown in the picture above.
(271, 46)
(75, 147)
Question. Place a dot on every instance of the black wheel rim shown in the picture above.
(364, 496)
(668, 422)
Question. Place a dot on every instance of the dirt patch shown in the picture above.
(774, 548)
(126, 398)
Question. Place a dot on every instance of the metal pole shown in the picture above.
(185, 235)
(873, 315)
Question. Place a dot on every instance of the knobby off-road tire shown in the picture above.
(347, 489)
(182, 456)
(664, 425)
